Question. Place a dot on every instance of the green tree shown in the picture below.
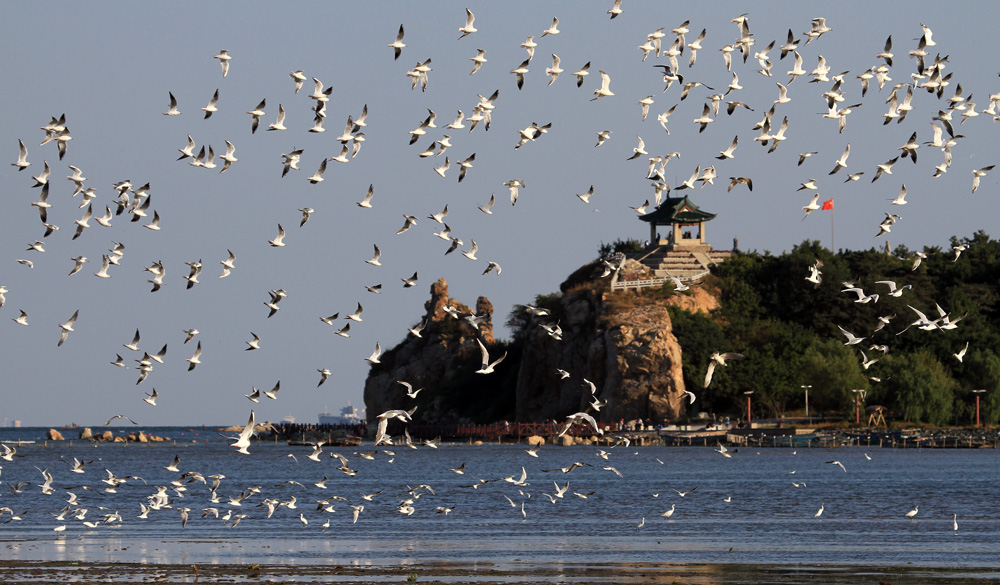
(699, 336)
(833, 370)
(919, 388)
(627, 246)
(982, 372)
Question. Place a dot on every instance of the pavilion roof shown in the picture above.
(677, 210)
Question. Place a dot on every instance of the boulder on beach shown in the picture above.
(55, 435)
(86, 433)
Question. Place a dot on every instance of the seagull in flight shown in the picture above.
(210, 108)
(223, 58)
(978, 174)
(396, 45)
(487, 367)
(367, 201)
(604, 90)
(22, 157)
(67, 327)
(581, 417)
(838, 463)
(851, 340)
(278, 242)
(22, 319)
(466, 30)
(172, 111)
(582, 73)
(256, 115)
(719, 359)
(118, 416)
(243, 440)
(374, 357)
(253, 343)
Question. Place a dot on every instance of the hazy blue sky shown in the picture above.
(109, 68)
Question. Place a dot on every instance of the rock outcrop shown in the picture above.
(441, 358)
(622, 342)
(626, 349)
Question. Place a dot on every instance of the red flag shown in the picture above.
(828, 204)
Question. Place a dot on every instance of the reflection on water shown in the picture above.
(767, 520)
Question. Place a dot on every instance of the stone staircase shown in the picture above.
(684, 264)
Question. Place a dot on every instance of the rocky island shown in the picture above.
(633, 341)
(625, 347)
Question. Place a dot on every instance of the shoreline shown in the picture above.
(514, 573)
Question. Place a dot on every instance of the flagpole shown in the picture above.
(833, 249)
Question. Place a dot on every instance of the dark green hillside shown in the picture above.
(788, 329)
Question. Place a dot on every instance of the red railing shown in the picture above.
(520, 430)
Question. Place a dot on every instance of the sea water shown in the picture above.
(766, 520)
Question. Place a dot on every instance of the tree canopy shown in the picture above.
(790, 330)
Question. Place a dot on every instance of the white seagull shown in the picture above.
(719, 359)
(22, 157)
(224, 58)
(278, 242)
(243, 440)
(66, 328)
(487, 367)
(851, 339)
(210, 108)
(604, 90)
(373, 358)
(468, 29)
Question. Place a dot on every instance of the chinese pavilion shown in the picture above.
(685, 223)
(683, 253)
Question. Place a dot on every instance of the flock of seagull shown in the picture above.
(96, 500)
(928, 76)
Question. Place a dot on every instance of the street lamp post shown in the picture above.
(806, 388)
(748, 393)
(977, 393)
(858, 394)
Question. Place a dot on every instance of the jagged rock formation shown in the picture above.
(622, 342)
(629, 353)
(442, 360)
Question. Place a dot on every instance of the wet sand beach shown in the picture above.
(28, 572)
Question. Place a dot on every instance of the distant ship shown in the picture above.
(348, 415)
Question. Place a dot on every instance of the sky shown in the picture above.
(109, 68)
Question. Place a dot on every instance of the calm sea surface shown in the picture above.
(767, 519)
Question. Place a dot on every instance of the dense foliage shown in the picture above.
(787, 327)
(623, 246)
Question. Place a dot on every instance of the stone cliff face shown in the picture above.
(630, 355)
(446, 349)
(622, 342)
